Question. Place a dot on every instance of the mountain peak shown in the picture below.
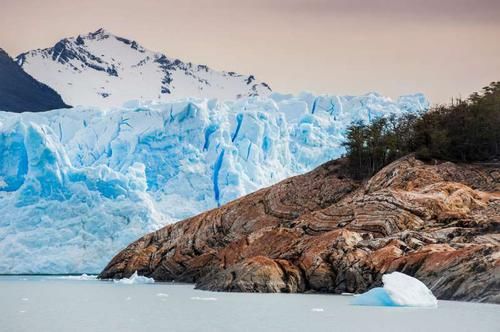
(102, 69)
(101, 32)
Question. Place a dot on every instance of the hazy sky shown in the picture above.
(443, 48)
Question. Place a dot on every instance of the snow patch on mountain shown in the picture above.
(101, 69)
(78, 185)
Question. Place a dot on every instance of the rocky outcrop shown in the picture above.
(323, 231)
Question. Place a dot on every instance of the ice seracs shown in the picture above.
(78, 185)
(399, 290)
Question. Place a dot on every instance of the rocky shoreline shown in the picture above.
(326, 232)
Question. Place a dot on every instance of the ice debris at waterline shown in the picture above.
(400, 290)
(134, 279)
(78, 185)
(198, 298)
(83, 277)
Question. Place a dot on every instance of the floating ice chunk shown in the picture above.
(408, 291)
(377, 297)
(25, 299)
(197, 298)
(400, 290)
(317, 309)
(135, 279)
(162, 295)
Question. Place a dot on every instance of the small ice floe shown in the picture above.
(197, 298)
(82, 277)
(25, 299)
(317, 309)
(128, 298)
(22, 311)
(400, 290)
(161, 295)
(134, 279)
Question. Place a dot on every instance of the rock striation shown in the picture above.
(325, 232)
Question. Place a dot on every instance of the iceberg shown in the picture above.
(78, 185)
(399, 290)
(134, 279)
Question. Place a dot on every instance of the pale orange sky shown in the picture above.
(442, 48)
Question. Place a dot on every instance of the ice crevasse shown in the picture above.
(77, 185)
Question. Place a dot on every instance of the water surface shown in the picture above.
(59, 304)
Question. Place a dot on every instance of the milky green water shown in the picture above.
(55, 304)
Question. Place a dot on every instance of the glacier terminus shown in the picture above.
(77, 185)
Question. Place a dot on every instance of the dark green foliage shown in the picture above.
(465, 131)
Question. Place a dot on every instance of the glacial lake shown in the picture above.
(49, 303)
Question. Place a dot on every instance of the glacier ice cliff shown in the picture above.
(78, 185)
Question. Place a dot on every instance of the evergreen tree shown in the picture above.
(464, 131)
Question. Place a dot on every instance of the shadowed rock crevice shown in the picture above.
(324, 232)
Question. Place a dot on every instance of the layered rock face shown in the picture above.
(323, 231)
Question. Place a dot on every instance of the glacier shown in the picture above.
(78, 185)
(400, 290)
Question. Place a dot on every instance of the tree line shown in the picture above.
(467, 130)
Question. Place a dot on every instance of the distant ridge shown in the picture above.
(19, 92)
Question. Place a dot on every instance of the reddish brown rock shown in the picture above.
(323, 231)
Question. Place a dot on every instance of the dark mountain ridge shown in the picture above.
(19, 92)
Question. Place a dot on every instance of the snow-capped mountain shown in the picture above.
(101, 69)
(78, 185)
(19, 92)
